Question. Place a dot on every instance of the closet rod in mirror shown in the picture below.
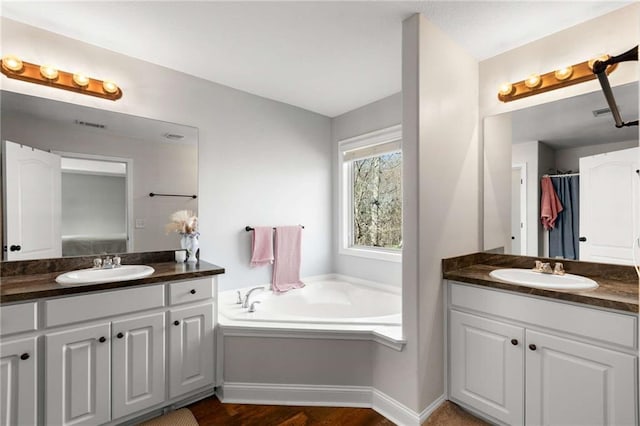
(153, 194)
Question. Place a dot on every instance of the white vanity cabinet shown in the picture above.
(108, 357)
(18, 382)
(524, 360)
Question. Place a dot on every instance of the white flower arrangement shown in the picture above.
(183, 222)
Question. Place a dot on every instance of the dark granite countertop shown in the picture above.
(30, 280)
(618, 285)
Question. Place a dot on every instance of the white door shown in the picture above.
(191, 362)
(487, 366)
(518, 209)
(609, 206)
(138, 363)
(78, 376)
(572, 383)
(32, 203)
(18, 382)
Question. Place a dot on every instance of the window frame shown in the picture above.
(345, 197)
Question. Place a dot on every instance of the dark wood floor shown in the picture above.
(210, 412)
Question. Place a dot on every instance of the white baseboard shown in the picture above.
(424, 415)
(325, 396)
(279, 394)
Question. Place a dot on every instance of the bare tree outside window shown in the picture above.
(377, 201)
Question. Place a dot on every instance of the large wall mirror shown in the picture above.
(592, 167)
(77, 180)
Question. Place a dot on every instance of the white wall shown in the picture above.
(569, 158)
(377, 115)
(613, 33)
(527, 153)
(260, 162)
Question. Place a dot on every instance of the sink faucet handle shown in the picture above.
(558, 269)
(239, 301)
(538, 267)
(97, 262)
(252, 308)
(117, 261)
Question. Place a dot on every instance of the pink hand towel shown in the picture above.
(262, 246)
(288, 255)
(550, 205)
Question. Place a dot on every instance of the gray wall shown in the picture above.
(260, 162)
(374, 116)
(93, 202)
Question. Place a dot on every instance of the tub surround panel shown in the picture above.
(618, 284)
(38, 278)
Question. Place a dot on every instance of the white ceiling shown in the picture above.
(570, 122)
(325, 56)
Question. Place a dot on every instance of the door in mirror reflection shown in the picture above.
(32, 198)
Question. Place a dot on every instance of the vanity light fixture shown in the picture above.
(562, 77)
(47, 75)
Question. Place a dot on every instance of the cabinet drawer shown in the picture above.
(605, 326)
(18, 318)
(99, 305)
(190, 291)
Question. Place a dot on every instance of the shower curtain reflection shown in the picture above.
(563, 238)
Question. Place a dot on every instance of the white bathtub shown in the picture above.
(335, 301)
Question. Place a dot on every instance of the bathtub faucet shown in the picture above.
(246, 297)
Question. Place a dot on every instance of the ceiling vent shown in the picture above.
(173, 136)
(90, 124)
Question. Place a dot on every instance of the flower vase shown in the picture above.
(190, 243)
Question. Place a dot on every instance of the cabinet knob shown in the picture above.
(119, 335)
(102, 339)
(514, 342)
(24, 356)
(532, 347)
(193, 291)
(582, 239)
(176, 322)
(15, 248)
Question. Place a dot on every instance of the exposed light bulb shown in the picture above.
(563, 73)
(48, 72)
(505, 89)
(81, 80)
(533, 81)
(12, 63)
(110, 87)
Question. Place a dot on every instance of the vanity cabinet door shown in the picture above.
(487, 366)
(569, 382)
(18, 382)
(191, 362)
(78, 376)
(138, 347)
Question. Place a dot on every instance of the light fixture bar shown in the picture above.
(32, 73)
(564, 77)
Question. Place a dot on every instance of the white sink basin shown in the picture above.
(97, 276)
(530, 278)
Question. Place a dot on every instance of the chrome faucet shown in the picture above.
(252, 308)
(245, 304)
(107, 263)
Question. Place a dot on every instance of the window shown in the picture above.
(371, 195)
